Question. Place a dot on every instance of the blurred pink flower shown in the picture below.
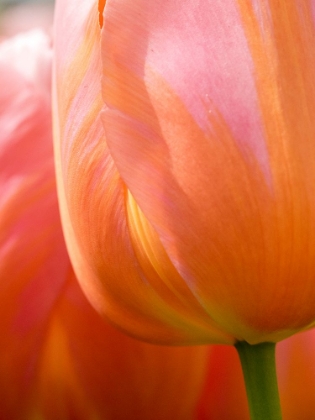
(58, 358)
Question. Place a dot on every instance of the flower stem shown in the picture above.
(259, 370)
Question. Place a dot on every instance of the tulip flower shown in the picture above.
(58, 359)
(184, 144)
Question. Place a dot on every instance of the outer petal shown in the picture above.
(137, 287)
(58, 359)
(209, 119)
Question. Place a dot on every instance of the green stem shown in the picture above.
(259, 370)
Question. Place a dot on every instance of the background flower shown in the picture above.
(58, 359)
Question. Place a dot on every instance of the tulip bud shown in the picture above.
(184, 139)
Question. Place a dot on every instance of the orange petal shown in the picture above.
(100, 219)
(209, 119)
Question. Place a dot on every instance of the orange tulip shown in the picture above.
(58, 359)
(185, 149)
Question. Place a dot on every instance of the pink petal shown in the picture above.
(203, 123)
(116, 275)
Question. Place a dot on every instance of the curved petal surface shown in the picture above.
(208, 117)
(118, 257)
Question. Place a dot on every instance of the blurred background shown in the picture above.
(22, 15)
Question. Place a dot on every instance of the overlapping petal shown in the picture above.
(58, 359)
(99, 213)
(184, 148)
(208, 117)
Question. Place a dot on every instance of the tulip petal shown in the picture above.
(100, 219)
(208, 118)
